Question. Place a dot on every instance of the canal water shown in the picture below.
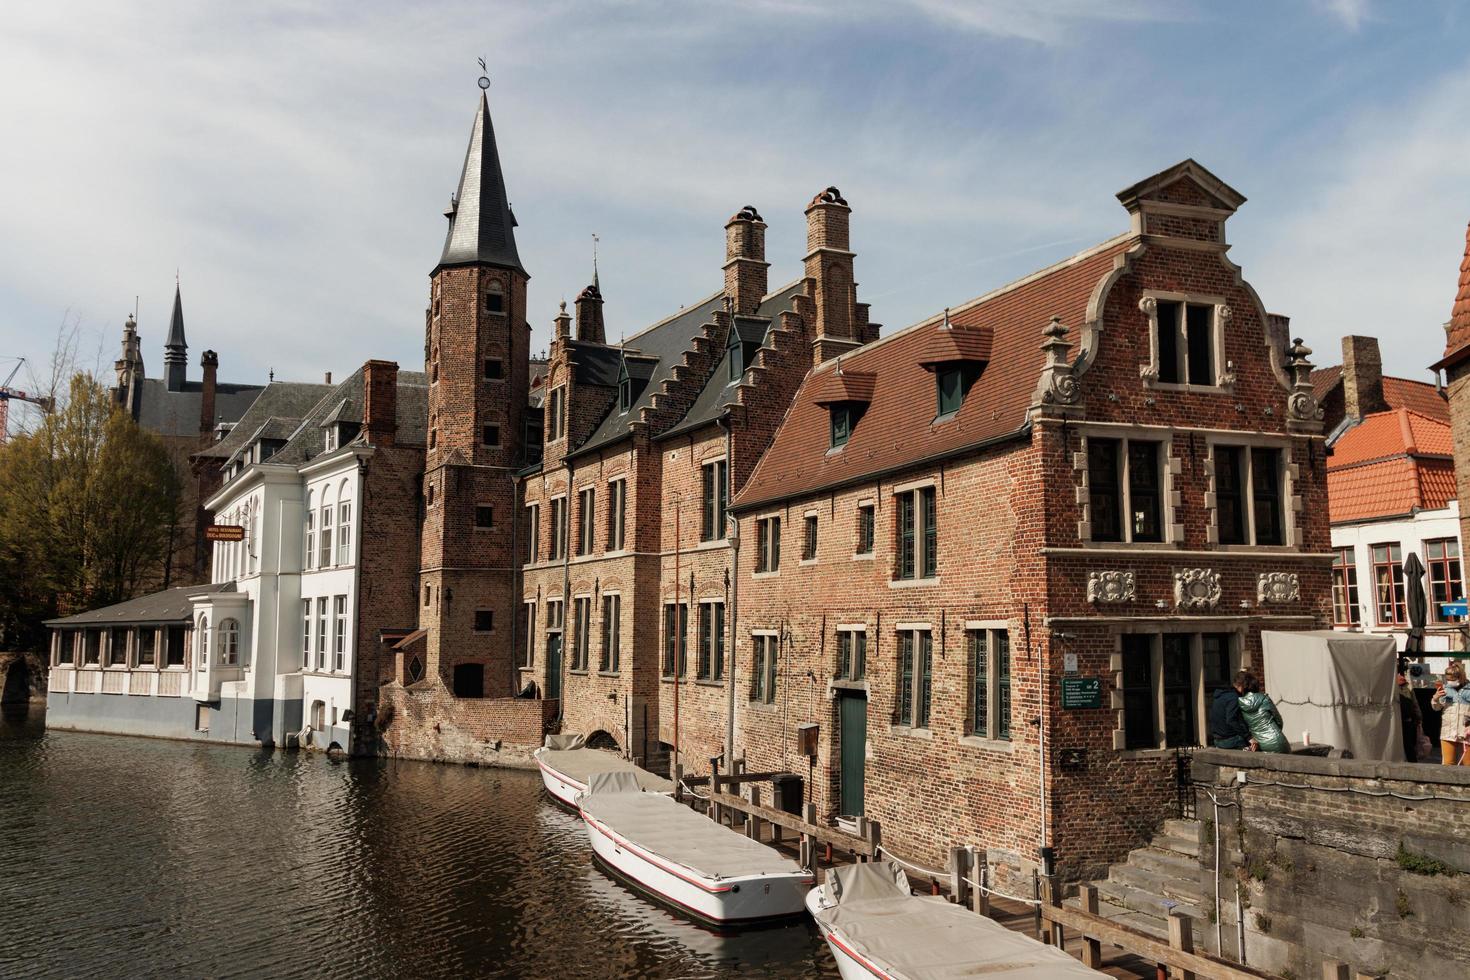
(131, 857)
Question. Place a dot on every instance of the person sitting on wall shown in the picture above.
(1262, 718)
(1228, 729)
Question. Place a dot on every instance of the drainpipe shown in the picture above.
(733, 533)
(353, 674)
(517, 586)
(566, 590)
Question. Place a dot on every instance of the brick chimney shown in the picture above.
(746, 278)
(589, 315)
(209, 361)
(1362, 377)
(829, 266)
(380, 402)
(563, 321)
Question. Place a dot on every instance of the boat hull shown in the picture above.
(562, 787)
(850, 966)
(722, 901)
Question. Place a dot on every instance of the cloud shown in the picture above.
(1352, 13)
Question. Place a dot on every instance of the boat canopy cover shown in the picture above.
(569, 740)
(580, 765)
(670, 830)
(927, 938)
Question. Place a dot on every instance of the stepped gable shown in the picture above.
(896, 429)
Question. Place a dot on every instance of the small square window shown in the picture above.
(809, 538)
(494, 370)
(484, 516)
(494, 302)
(484, 620)
(491, 435)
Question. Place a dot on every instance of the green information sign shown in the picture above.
(1081, 692)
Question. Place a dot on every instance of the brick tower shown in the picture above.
(476, 354)
(1456, 366)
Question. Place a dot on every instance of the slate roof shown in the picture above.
(176, 413)
(898, 428)
(1392, 464)
(168, 606)
(481, 226)
(308, 440)
(280, 400)
(718, 392)
(1416, 396)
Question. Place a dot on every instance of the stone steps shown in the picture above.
(1163, 887)
(1165, 862)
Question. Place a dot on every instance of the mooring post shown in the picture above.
(1054, 900)
(679, 782)
(753, 822)
(1181, 937)
(1036, 903)
(875, 836)
(1091, 948)
(959, 890)
(979, 867)
(808, 842)
(862, 831)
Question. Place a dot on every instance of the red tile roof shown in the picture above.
(1416, 396)
(1391, 464)
(898, 428)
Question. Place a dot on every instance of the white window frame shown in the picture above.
(344, 528)
(339, 642)
(227, 649)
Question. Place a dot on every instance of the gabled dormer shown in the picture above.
(846, 396)
(956, 355)
(747, 333)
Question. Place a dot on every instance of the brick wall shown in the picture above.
(428, 722)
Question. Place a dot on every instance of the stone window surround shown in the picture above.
(1240, 659)
(529, 654)
(839, 679)
(1173, 499)
(1219, 320)
(621, 522)
(760, 523)
(722, 533)
(578, 635)
(1291, 500)
(768, 697)
(898, 490)
(811, 514)
(898, 728)
(604, 635)
(715, 680)
(869, 503)
(967, 736)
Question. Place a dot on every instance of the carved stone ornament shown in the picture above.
(1058, 388)
(1110, 587)
(1301, 404)
(1278, 587)
(1223, 313)
(1149, 305)
(1196, 588)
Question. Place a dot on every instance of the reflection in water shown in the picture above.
(141, 857)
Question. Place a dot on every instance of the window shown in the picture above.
(494, 371)
(733, 352)
(617, 492)
(586, 521)
(763, 668)
(229, 643)
(427, 594)
(1388, 585)
(310, 554)
(344, 533)
(990, 682)
(1345, 608)
(556, 415)
(321, 633)
(852, 654)
(429, 492)
(1124, 478)
(582, 621)
(533, 532)
(1169, 680)
(92, 645)
(1185, 340)
(918, 535)
(306, 629)
(809, 538)
(147, 647)
(844, 418)
(339, 644)
(174, 649)
(612, 637)
(714, 500)
(1445, 583)
(530, 634)
(625, 388)
(951, 383)
(484, 515)
(676, 638)
(117, 647)
(711, 641)
(490, 435)
(558, 527)
(494, 300)
(768, 544)
(324, 556)
(1248, 495)
(865, 529)
(915, 677)
(65, 649)
(484, 620)
(554, 620)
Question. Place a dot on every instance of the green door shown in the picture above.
(854, 735)
(553, 665)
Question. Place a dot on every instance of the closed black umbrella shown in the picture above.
(1418, 605)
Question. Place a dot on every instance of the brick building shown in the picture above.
(1456, 367)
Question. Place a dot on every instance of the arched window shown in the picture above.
(254, 536)
(229, 643)
(201, 640)
(324, 521)
(310, 531)
(344, 526)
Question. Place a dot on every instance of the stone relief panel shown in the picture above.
(1196, 588)
(1110, 587)
(1278, 587)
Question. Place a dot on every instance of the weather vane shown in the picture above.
(484, 78)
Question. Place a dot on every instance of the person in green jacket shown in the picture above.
(1262, 718)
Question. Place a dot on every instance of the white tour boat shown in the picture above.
(685, 859)
(566, 765)
(876, 927)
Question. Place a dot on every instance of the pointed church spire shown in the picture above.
(481, 226)
(175, 349)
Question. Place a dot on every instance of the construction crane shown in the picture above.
(7, 393)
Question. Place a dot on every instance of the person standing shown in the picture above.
(1409, 714)
(1228, 729)
(1452, 700)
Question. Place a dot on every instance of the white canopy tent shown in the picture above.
(1339, 687)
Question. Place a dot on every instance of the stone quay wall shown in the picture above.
(1362, 861)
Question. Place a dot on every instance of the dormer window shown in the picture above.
(625, 388)
(956, 354)
(844, 418)
(846, 396)
(952, 382)
(329, 440)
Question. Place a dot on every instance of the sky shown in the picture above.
(290, 162)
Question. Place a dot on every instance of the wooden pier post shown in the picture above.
(1181, 937)
(808, 842)
(959, 891)
(862, 831)
(980, 867)
(678, 782)
(1051, 888)
(1091, 948)
(752, 822)
(1036, 904)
